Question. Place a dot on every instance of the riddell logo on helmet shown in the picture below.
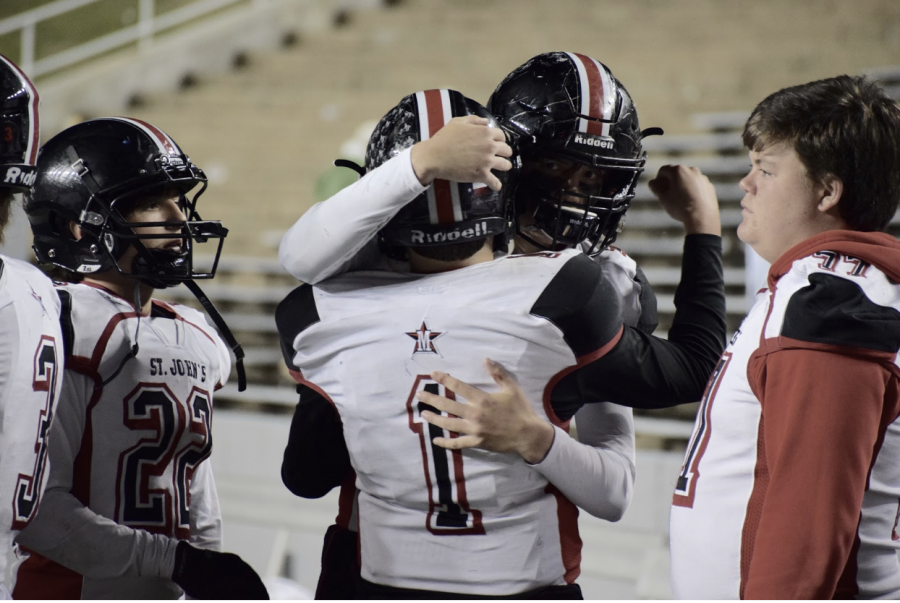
(19, 176)
(590, 140)
(418, 237)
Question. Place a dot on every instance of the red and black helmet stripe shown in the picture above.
(435, 109)
(597, 96)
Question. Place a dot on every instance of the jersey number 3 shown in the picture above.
(448, 509)
(28, 487)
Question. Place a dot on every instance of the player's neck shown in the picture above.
(422, 265)
(123, 286)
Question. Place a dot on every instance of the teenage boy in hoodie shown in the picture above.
(791, 482)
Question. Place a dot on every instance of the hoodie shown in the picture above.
(822, 518)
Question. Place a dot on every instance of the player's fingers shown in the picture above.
(449, 423)
(455, 385)
(493, 183)
(466, 441)
(503, 150)
(499, 374)
(501, 164)
(441, 403)
(474, 119)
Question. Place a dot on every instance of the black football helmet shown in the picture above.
(447, 212)
(569, 112)
(19, 128)
(89, 173)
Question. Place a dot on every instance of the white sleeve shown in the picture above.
(206, 517)
(596, 472)
(67, 532)
(338, 234)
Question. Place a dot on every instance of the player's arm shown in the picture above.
(206, 515)
(821, 420)
(316, 459)
(596, 473)
(648, 319)
(621, 364)
(339, 233)
(71, 534)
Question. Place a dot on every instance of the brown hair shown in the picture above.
(845, 127)
(6, 200)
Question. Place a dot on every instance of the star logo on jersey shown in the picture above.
(424, 339)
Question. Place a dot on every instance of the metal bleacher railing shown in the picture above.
(149, 22)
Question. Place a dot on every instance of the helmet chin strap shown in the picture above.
(223, 329)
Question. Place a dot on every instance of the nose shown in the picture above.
(173, 212)
(745, 184)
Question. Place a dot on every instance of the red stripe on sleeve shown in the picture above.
(579, 362)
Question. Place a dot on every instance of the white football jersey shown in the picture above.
(31, 362)
(130, 444)
(431, 518)
(744, 474)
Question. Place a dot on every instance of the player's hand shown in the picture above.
(204, 574)
(688, 196)
(500, 422)
(464, 150)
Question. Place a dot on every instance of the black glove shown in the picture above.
(206, 574)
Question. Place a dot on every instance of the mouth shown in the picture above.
(173, 246)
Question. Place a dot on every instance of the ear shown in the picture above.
(831, 190)
(75, 229)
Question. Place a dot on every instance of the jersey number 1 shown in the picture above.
(448, 509)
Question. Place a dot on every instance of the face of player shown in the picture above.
(781, 206)
(570, 176)
(166, 207)
(551, 174)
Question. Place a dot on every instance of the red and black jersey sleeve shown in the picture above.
(642, 371)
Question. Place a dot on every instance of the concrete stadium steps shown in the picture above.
(267, 131)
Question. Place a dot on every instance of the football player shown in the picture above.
(548, 104)
(790, 487)
(131, 509)
(31, 352)
(344, 342)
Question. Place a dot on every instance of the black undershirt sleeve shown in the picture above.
(642, 371)
(649, 319)
(315, 458)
